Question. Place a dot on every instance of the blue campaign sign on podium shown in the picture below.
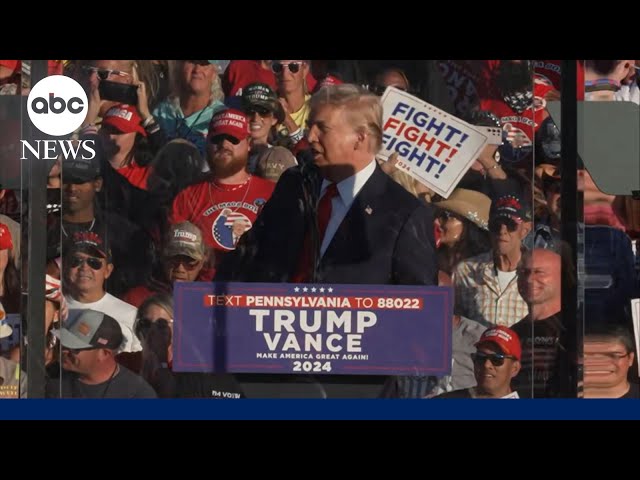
(318, 329)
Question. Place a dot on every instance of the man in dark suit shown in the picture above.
(377, 233)
(339, 219)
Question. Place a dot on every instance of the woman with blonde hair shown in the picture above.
(187, 112)
(291, 78)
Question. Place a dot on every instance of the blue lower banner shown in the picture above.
(320, 409)
(315, 329)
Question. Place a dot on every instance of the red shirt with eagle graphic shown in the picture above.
(222, 212)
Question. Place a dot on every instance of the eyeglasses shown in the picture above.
(104, 73)
(219, 139)
(263, 112)
(93, 262)
(188, 263)
(495, 225)
(496, 359)
(278, 67)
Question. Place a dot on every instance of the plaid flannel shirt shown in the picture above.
(478, 294)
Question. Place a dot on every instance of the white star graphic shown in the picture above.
(322, 289)
(330, 289)
(305, 289)
(313, 289)
(297, 289)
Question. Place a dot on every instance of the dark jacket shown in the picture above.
(386, 237)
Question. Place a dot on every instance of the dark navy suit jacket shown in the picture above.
(386, 237)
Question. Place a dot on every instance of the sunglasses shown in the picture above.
(219, 139)
(263, 112)
(104, 73)
(444, 215)
(188, 263)
(496, 359)
(278, 67)
(144, 325)
(111, 130)
(495, 226)
(93, 262)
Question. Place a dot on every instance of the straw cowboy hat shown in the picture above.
(469, 204)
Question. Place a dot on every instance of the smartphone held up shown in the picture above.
(118, 92)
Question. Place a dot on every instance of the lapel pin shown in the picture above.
(369, 210)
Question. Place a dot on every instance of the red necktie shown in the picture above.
(324, 209)
(324, 214)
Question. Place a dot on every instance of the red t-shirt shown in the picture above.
(222, 212)
(136, 295)
(135, 174)
(56, 67)
(241, 73)
(521, 127)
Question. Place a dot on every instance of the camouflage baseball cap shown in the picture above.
(185, 239)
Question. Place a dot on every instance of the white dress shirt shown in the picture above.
(348, 189)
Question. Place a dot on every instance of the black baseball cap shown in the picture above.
(510, 206)
(80, 168)
(89, 242)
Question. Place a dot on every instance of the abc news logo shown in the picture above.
(57, 106)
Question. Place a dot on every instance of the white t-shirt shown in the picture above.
(511, 395)
(504, 279)
(122, 312)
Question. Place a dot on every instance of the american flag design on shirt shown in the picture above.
(520, 127)
(229, 227)
(204, 206)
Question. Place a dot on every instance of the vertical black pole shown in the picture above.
(572, 214)
(35, 189)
